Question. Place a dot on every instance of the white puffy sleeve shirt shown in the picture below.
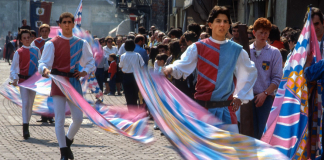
(87, 61)
(245, 71)
(14, 70)
(129, 61)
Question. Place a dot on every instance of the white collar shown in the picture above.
(26, 47)
(217, 41)
(67, 38)
(44, 38)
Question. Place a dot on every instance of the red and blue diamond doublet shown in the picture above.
(39, 43)
(28, 61)
(216, 80)
(67, 57)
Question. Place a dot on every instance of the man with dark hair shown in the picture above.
(61, 58)
(33, 35)
(139, 42)
(274, 37)
(24, 65)
(194, 27)
(44, 31)
(220, 63)
(318, 21)
(129, 61)
(286, 31)
(24, 25)
(235, 32)
(190, 37)
(163, 48)
(141, 30)
(174, 33)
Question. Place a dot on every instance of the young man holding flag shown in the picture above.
(39, 42)
(63, 55)
(225, 73)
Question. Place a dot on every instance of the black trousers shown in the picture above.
(130, 89)
(100, 77)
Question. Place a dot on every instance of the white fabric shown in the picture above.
(87, 61)
(27, 98)
(121, 49)
(14, 69)
(156, 66)
(129, 61)
(59, 110)
(33, 43)
(257, 53)
(109, 51)
(245, 71)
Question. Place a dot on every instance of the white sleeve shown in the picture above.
(39, 54)
(121, 61)
(47, 59)
(14, 69)
(33, 43)
(156, 66)
(246, 75)
(87, 61)
(187, 64)
(121, 49)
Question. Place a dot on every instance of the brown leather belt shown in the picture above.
(23, 77)
(57, 72)
(214, 104)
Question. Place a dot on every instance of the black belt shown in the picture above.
(23, 77)
(214, 104)
(57, 72)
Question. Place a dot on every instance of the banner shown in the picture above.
(40, 13)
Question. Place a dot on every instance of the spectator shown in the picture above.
(203, 35)
(190, 37)
(24, 25)
(194, 27)
(139, 42)
(274, 37)
(112, 74)
(130, 61)
(268, 62)
(235, 32)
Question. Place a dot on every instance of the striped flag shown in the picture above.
(77, 16)
(287, 127)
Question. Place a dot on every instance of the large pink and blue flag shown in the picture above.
(191, 129)
(295, 106)
(78, 16)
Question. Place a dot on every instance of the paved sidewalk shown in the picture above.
(91, 142)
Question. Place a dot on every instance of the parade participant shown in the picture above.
(128, 62)
(112, 74)
(225, 73)
(44, 31)
(39, 42)
(63, 55)
(108, 49)
(268, 62)
(24, 65)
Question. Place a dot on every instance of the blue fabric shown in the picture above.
(76, 45)
(33, 61)
(228, 55)
(260, 116)
(112, 85)
(142, 52)
(314, 73)
(222, 114)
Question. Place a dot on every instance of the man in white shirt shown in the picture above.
(225, 73)
(318, 21)
(63, 55)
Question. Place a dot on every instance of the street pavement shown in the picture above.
(91, 142)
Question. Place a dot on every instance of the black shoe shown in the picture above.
(26, 134)
(68, 144)
(50, 120)
(42, 119)
(64, 153)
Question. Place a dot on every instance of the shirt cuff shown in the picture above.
(86, 70)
